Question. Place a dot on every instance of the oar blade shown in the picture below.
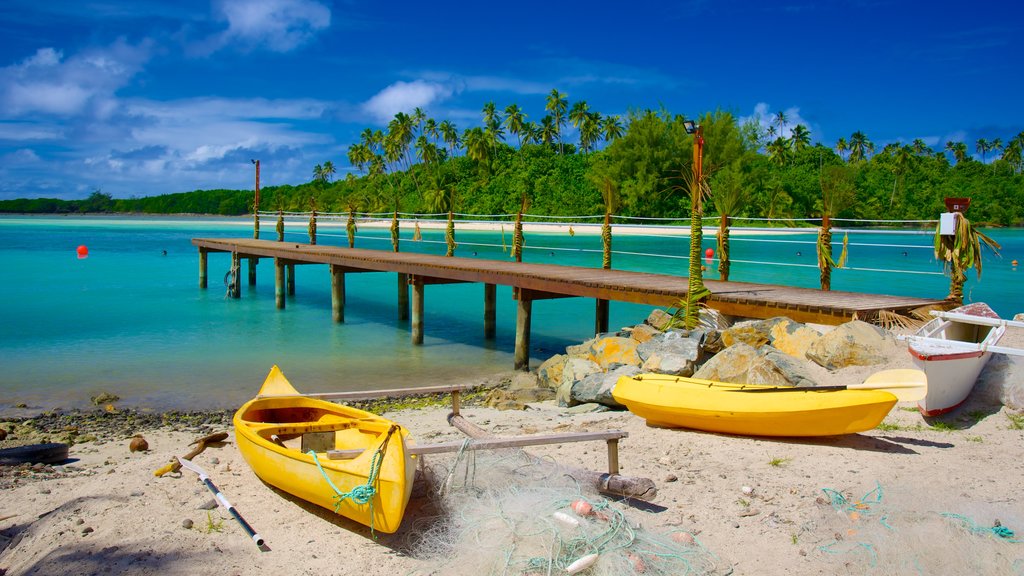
(906, 384)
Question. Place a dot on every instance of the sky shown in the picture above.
(145, 97)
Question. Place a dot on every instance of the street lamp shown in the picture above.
(256, 203)
(696, 290)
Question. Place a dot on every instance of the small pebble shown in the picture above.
(87, 530)
(215, 461)
(671, 478)
(137, 494)
(44, 491)
(79, 521)
(208, 505)
(186, 524)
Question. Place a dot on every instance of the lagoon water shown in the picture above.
(131, 320)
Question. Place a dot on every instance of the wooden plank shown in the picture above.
(495, 443)
(374, 394)
(982, 320)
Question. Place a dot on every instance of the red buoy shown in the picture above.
(709, 252)
(83, 251)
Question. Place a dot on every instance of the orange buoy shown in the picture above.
(709, 252)
(82, 251)
(1014, 263)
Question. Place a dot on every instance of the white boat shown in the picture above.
(952, 349)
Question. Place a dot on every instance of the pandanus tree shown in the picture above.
(837, 193)
(959, 252)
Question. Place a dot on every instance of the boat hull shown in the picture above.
(678, 402)
(952, 371)
(269, 433)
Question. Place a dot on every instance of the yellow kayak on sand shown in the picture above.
(679, 402)
(277, 430)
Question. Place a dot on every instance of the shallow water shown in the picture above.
(131, 320)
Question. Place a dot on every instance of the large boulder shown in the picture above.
(674, 352)
(575, 369)
(729, 365)
(659, 319)
(793, 338)
(549, 374)
(597, 388)
(643, 333)
(855, 343)
(744, 364)
(612, 351)
(754, 333)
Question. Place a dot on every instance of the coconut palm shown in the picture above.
(450, 135)
(860, 146)
(958, 150)
(514, 121)
(556, 105)
(329, 170)
(729, 201)
(780, 120)
(547, 132)
(842, 147)
(477, 145)
(959, 252)
(612, 128)
(778, 151)
(837, 193)
(901, 163)
(920, 148)
(800, 138)
(981, 147)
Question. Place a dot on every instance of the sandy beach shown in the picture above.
(912, 496)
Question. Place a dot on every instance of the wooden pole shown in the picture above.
(524, 310)
(252, 270)
(202, 269)
(403, 296)
(490, 309)
(601, 316)
(417, 310)
(337, 294)
(291, 279)
(236, 267)
(279, 283)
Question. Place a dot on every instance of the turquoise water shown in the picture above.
(131, 320)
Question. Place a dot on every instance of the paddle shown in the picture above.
(906, 384)
(220, 498)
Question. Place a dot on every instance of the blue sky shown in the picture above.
(150, 97)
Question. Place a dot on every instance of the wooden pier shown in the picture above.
(538, 282)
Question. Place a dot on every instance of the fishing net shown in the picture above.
(912, 533)
(499, 512)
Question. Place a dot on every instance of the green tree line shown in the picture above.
(562, 163)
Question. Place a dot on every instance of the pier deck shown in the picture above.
(543, 281)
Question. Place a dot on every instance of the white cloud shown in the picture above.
(766, 118)
(404, 97)
(275, 25)
(22, 156)
(49, 84)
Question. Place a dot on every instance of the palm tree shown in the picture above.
(530, 133)
(612, 128)
(920, 148)
(729, 201)
(860, 146)
(959, 252)
(958, 150)
(329, 170)
(780, 119)
(837, 193)
(477, 146)
(778, 151)
(901, 162)
(800, 138)
(981, 147)
(450, 135)
(318, 174)
(1013, 154)
(556, 106)
(842, 147)
(547, 132)
(514, 121)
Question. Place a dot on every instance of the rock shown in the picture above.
(579, 350)
(1019, 317)
(597, 387)
(522, 380)
(588, 408)
(575, 369)
(3, 434)
(855, 343)
(612, 351)
(503, 400)
(549, 374)
(138, 444)
(712, 320)
(671, 478)
(755, 333)
(729, 365)
(773, 368)
(527, 395)
(643, 333)
(793, 338)
(671, 353)
(659, 319)
(104, 398)
(87, 530)
(187, 524)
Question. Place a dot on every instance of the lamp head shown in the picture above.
(690, 126)
(253, 161)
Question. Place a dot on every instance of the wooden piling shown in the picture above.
(524, 310)
(291, 279)
(490, 309)
(601, 317)
(337, 294)
(417, 310)
(202, 268)
(252, 270)
(236, 281)
(403, 296)
(279, 266)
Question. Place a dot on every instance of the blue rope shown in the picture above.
(998, 530)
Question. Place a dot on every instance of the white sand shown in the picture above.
(782, 527)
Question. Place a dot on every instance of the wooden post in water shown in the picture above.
(236, 272)
(252, 270)
(417, 310)
(522, 352)
(279, 283)
(490, 308)
(403, 296)
(291, 279)
(202, 268)
(255, 224)
(601, 317)
(337, 294)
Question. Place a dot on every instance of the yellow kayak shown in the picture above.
(276, 430)
(679, 402)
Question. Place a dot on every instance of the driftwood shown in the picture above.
(614, 484)
(201, 445)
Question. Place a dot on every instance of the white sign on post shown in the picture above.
(947, 223)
